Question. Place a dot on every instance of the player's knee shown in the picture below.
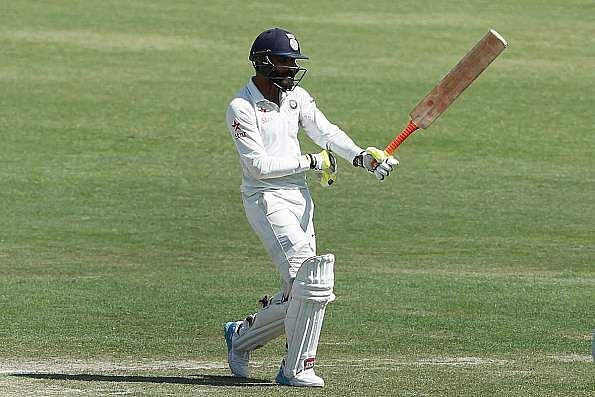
(315, 279)
(297, 258)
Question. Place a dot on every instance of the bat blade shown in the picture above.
(458, 79)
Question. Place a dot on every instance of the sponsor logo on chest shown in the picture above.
(264, 114)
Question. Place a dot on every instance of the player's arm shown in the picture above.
(241, 123)
(326, 134)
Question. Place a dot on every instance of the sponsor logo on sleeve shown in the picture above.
(238, 133)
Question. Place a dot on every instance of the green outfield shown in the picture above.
(124, 247)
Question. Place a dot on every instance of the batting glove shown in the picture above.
(376, 161)
(324, 165)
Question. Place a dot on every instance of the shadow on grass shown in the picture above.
(211, 380)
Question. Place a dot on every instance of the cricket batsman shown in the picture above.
(264, 119)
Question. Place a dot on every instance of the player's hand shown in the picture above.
(325, 166)
(376, 161)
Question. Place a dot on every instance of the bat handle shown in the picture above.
(391, 147)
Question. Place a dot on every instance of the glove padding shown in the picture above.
(376, 161)
(324, 165)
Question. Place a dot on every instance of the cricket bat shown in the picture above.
(450, 87)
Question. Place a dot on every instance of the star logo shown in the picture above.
(238, 133)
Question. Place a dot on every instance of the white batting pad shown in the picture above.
(264, 326)
(312, 290)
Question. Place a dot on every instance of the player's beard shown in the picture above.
(284, 82)
(283, 77)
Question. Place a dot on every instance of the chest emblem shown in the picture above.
(292, 104)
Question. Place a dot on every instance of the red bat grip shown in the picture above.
(391, 147)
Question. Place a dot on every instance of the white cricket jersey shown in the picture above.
(266, 138)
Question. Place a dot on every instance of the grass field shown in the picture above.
(123, 243)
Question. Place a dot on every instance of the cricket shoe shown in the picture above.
(238, 362)
(306, 378)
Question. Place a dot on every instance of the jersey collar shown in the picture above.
(257, 96)
(255, 92)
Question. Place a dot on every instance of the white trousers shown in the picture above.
(283, 220)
